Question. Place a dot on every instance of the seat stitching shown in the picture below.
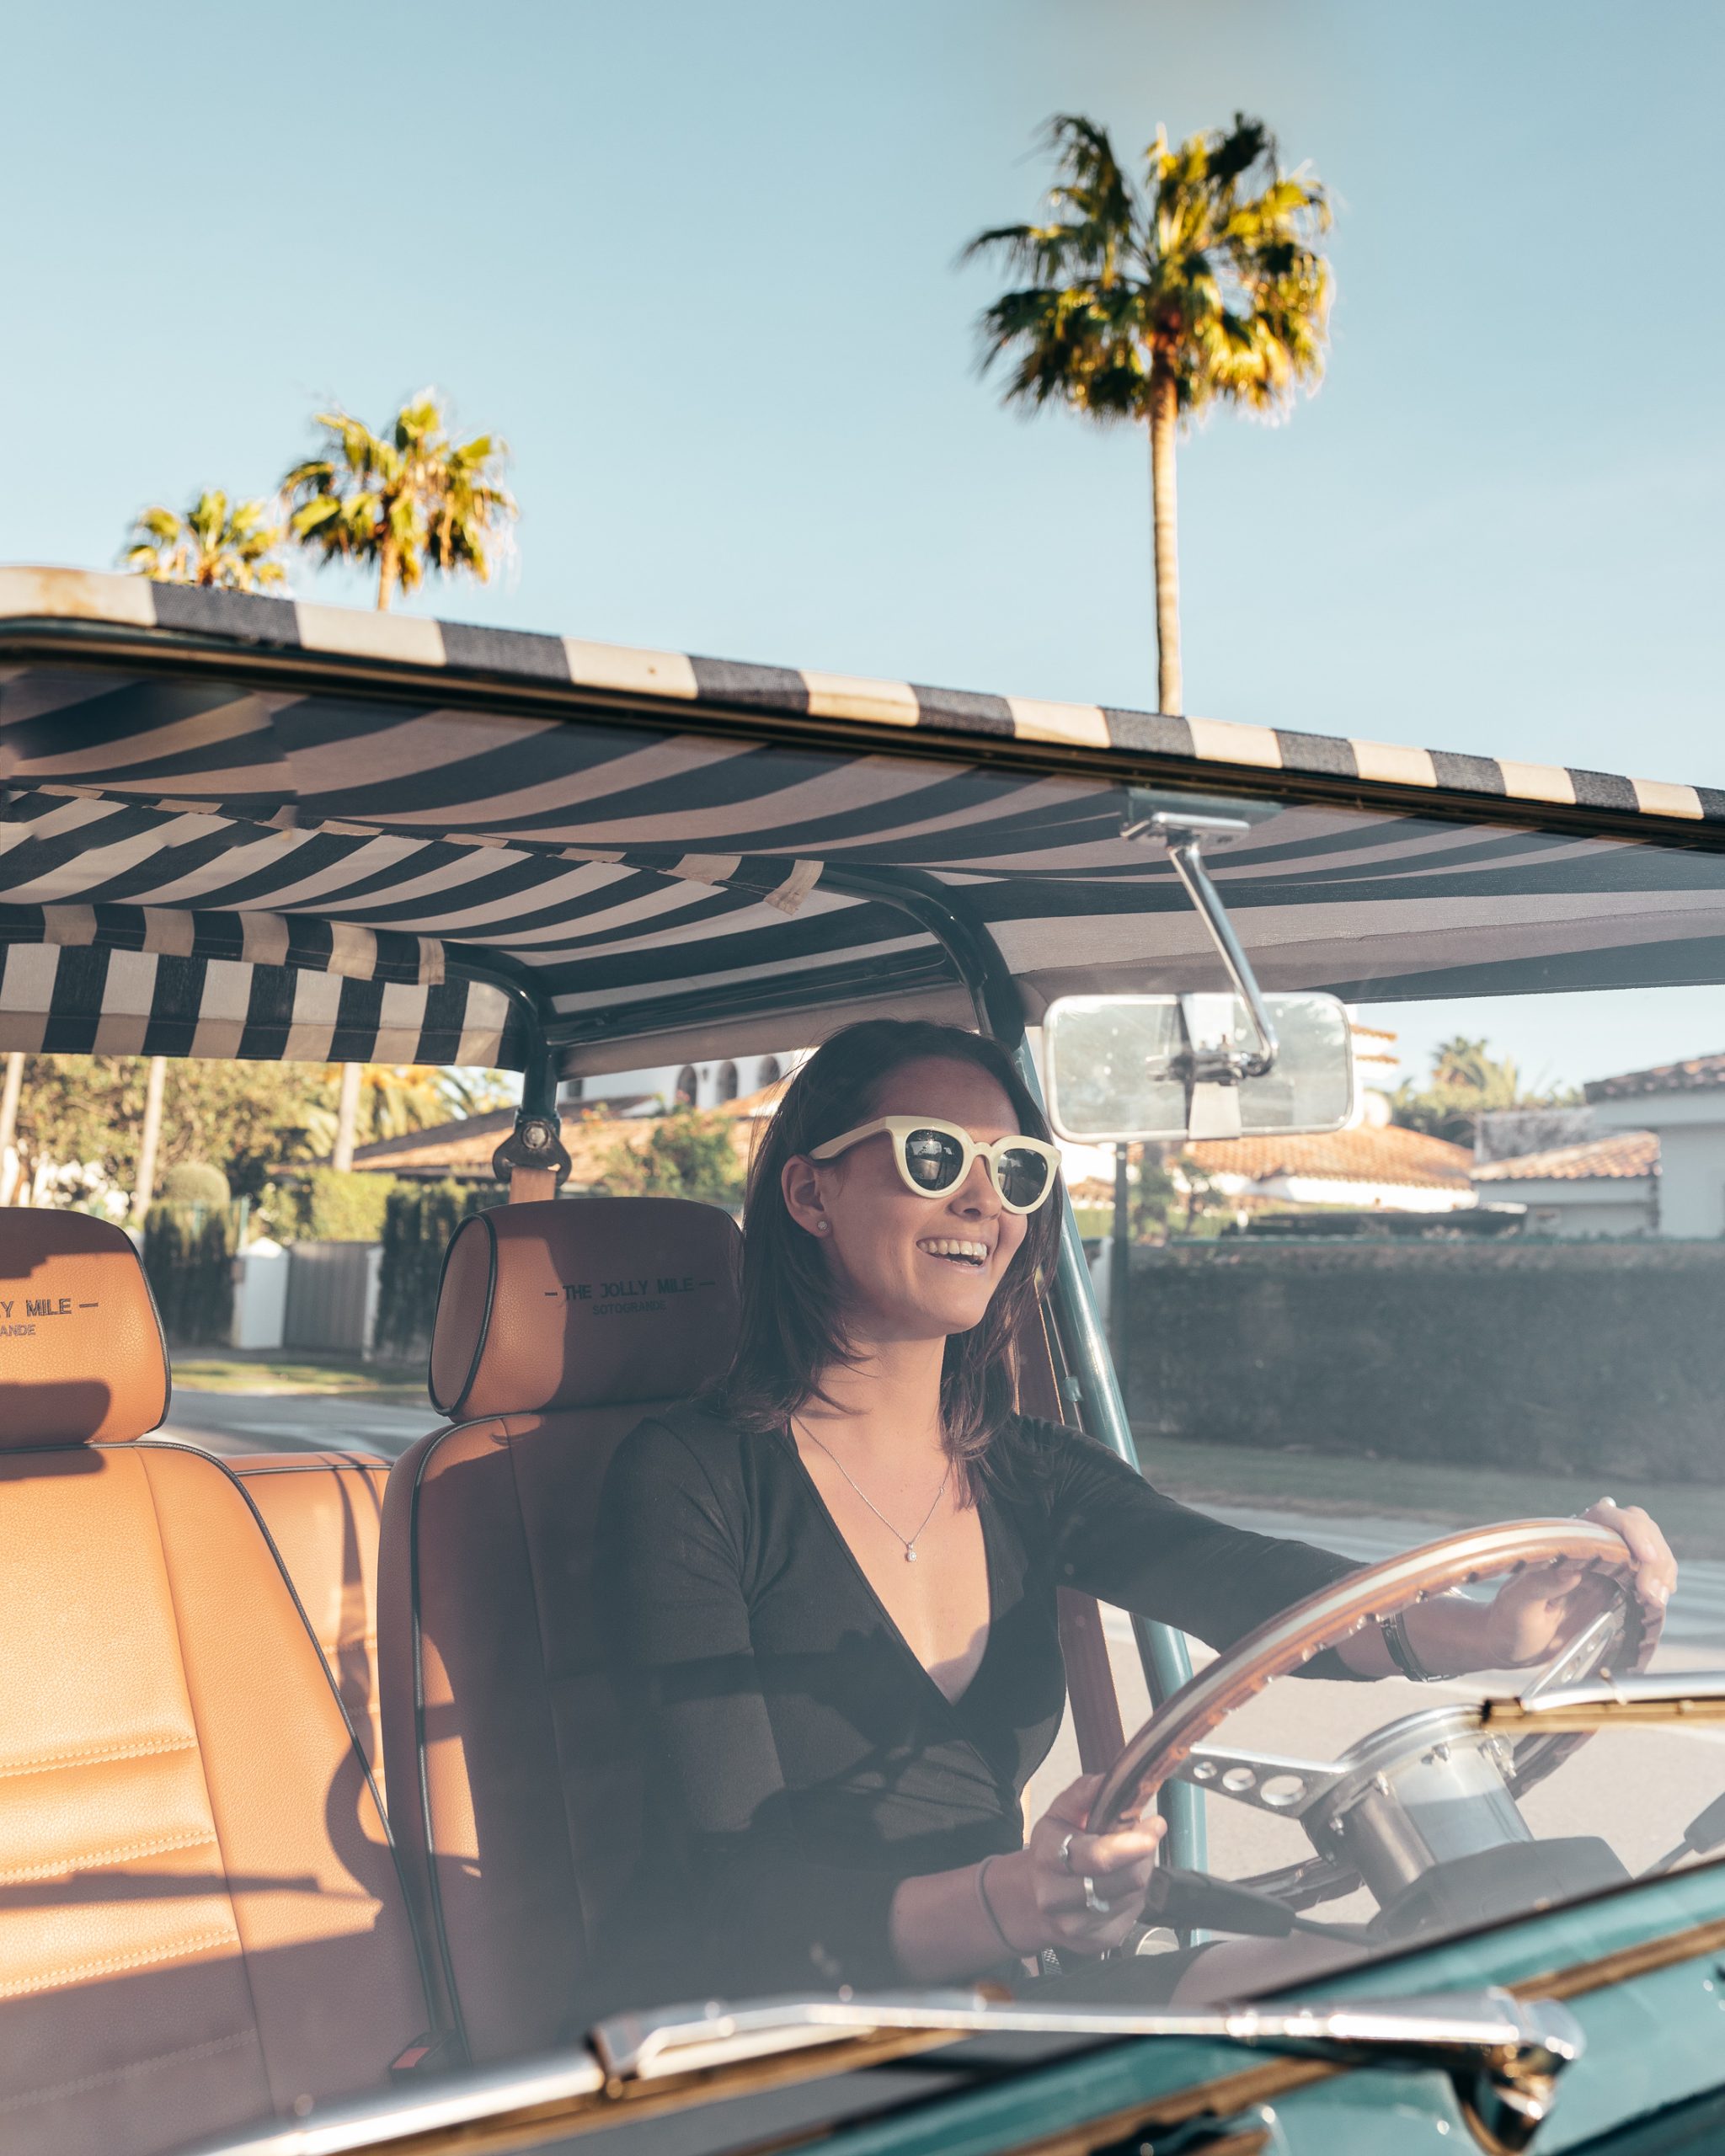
(124, 2073)
(194, 1944)
(48, 1761)
(84, 1860)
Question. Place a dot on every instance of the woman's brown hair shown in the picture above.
(791, 1328)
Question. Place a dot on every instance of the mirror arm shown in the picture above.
(1184, 837)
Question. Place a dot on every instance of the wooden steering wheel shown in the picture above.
(1164, 1748)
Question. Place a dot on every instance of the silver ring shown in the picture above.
(1093, 1902)
(1066, 1851)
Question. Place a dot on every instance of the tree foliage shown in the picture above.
(403, 502)
(1171, 1195)
(189, 1257)
(689, 1154)
(1466, 1080)
(1205, 285)
(325, 1205)
(245, 1118)
(237, 548)
(419, 1218)
(1210, 279)
(194, 1182)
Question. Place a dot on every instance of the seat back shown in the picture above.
(201, 1918)
(515, 1796)
(324, 1513)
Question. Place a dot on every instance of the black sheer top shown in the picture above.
(800, 1761)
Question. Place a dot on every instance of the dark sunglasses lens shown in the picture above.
(1024, 1177)
(934, 1158)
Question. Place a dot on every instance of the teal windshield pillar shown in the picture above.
(1101, 1409)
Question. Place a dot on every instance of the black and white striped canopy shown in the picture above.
(245, 828)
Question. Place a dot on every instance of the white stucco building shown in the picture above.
(1683, 1105)
(1603, 1185)
(671, 1084)
(1376, 1166)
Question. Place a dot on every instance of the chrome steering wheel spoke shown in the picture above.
(1266, 1780)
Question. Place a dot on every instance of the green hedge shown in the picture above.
(1602, 1357)
(189, 1257)
(329, 1205)
(419, 1220)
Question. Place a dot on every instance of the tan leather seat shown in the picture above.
(325, 1512)
(201, 1918)
(558, 1326)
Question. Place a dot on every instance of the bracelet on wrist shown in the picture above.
(1394, 1632)
(1000, 1929)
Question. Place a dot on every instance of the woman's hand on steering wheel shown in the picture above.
(1071, 1890)
(1537, 1613)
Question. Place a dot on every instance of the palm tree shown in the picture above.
(410, 502)
(1153, 306)
(210, 544)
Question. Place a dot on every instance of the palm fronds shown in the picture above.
(1154, 303)
(1208, 275)
(404, 502)
(234, 549)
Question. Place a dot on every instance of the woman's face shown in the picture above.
(910, 1268)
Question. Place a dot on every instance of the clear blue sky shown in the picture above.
(695, 260)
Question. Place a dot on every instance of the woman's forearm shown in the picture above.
(1449, 1635)
(940, 1928)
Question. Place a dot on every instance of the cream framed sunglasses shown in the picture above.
(934, 1157)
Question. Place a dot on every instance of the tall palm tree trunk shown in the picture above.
(1169, 696)
(347, 1117)
(149, 1138)
(388, 568)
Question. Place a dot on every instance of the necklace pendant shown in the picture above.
(909, 1553)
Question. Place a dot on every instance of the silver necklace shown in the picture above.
(909, 1546)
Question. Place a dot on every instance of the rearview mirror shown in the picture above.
(1126, 1068)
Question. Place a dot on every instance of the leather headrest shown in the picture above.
(584, 1302)
(81, 1358)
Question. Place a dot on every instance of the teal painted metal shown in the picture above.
(1654, 2042)
(1101, 1411)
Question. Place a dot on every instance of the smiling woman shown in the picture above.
(795, 1289)
(843, 1732)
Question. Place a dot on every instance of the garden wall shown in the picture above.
(1596, 1356)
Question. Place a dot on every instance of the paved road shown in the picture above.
(1696, 1618)
(294, 1421)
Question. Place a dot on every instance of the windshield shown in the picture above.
(812, 1501)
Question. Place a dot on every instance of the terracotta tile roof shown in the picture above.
(1699, 1075)
(473, 1137)
(1372, 1154)
(1624, 1155)
(464, 1148)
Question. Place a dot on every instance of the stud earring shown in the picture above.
(821, 1227)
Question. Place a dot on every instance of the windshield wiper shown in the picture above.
(1640, 1701)
(1503, 2054)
